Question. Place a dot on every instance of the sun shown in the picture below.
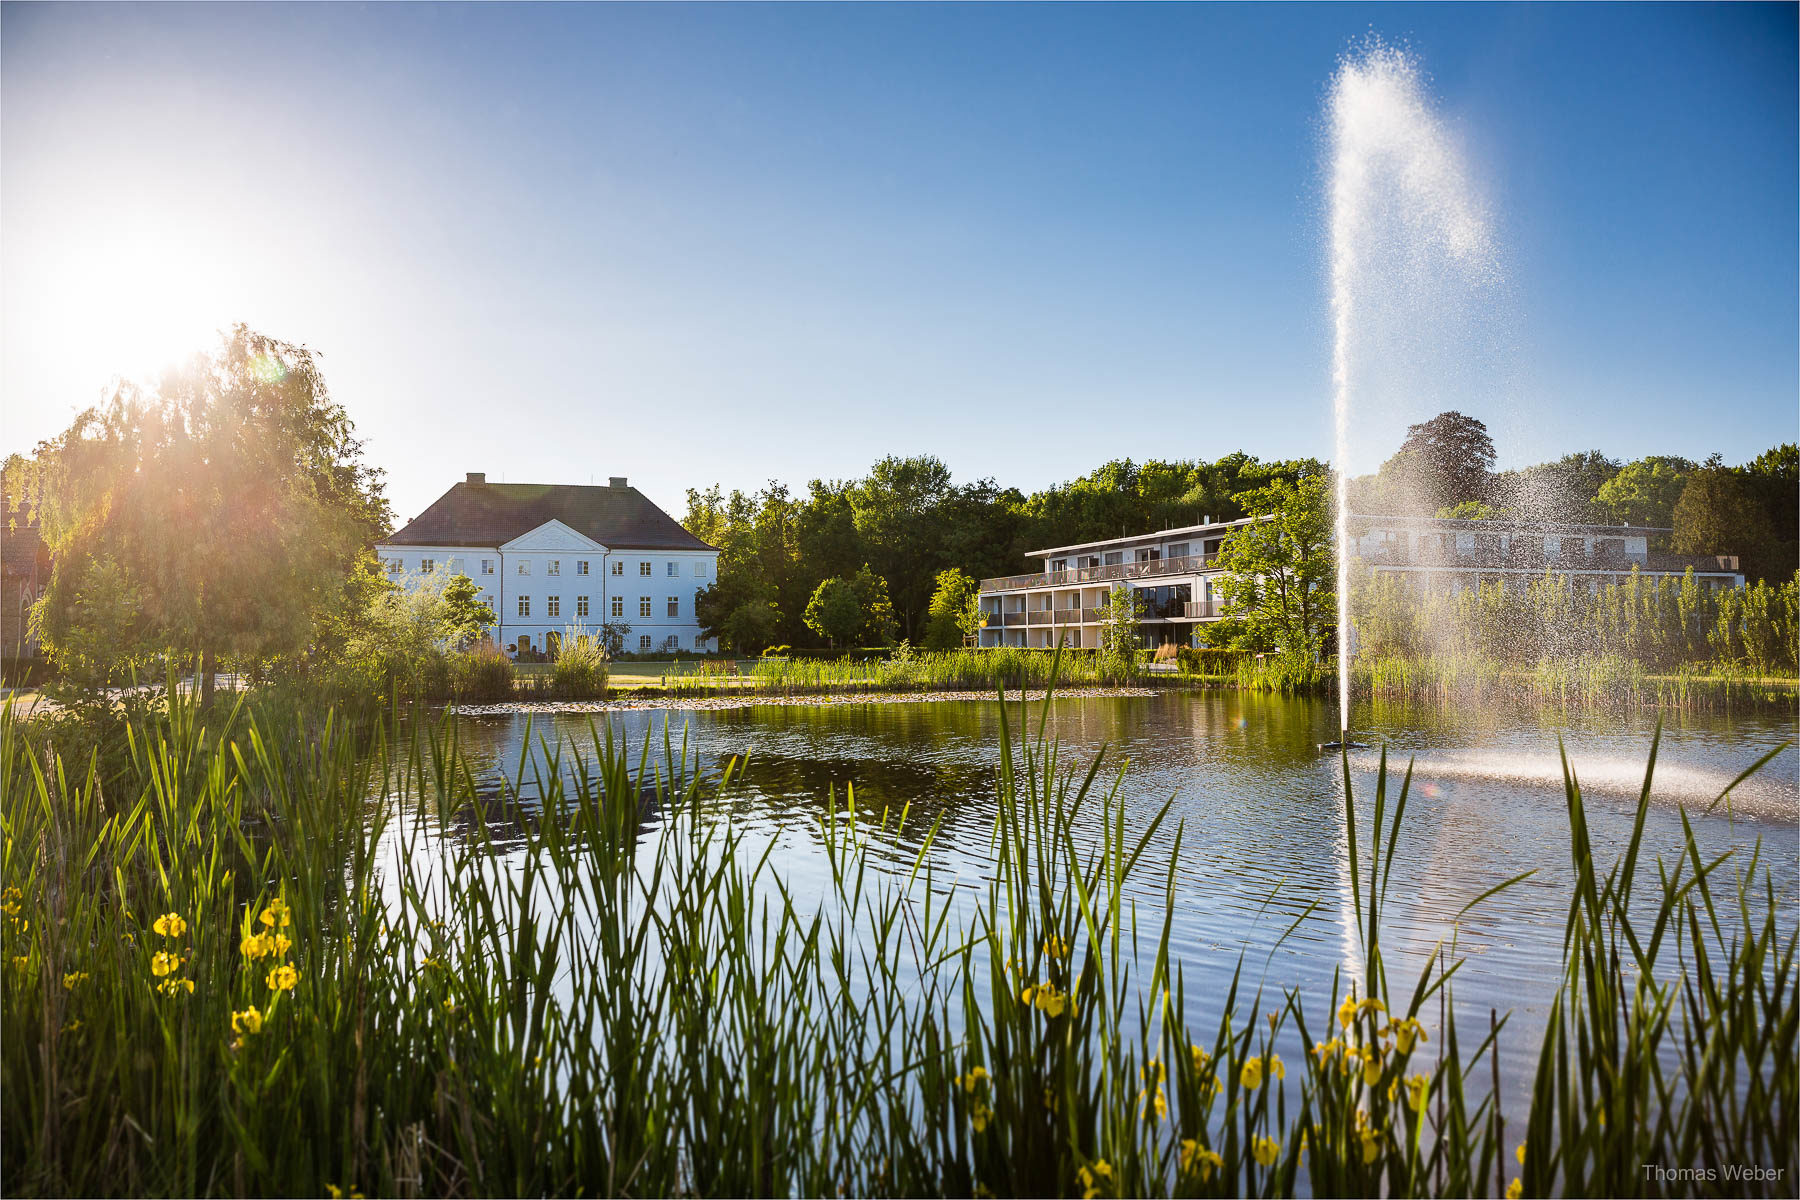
(132, 301)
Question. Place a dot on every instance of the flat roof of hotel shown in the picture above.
(1159, 535)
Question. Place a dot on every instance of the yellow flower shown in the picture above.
(1194, 1156)
(170, 925)
(1055, 947)
(973, 1079)
(1369, 1006)
(283, 977)
(1251, 1076)
(20, 961)
(1371, 1066)
(248, 1021)
(1416, 1087)
(1156, 1106)
(282, 943)
(1276, 1068)
(257, 945)
(1347, 1011)
(1520, 1154)
(1094, 1178)
(1026, 995)
(1265, 1150)
(980, 1115)
(1371, 1145)
(169, 987)
(983, 1191)
(1201, 1059)
(1405, 1031)
(164, 963)
(72, 1026)
(276, 912)
(73, 978)
(1515, 1189)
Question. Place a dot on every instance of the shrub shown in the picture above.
(580, 670)
(482, 676)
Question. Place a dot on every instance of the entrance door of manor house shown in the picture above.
(524, 643)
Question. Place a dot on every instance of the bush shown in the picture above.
(580, 670)
(483, 676)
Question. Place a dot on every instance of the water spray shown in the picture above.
(1404, 225)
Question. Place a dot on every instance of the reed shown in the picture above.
(289, 956)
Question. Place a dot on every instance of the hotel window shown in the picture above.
(674, 606)
(699, 570)
(581, 566)
(581, 606)
(395, 566)
(674, 570)
(619, 567)
(524, 566)
(643, 641)
(618, 606)
(487, 566)
(426, 564)
(555, 567)
(1178, 550)
(644, 568)
(643, 606)
(524, 606)
(553, 607)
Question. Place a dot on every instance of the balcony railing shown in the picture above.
(1203, 610)
(1012, 618)
(1132, 570)
(1040, 616)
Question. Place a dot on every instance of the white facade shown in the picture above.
(554, 580)
(1175, 571)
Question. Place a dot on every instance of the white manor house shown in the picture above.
(1175, 571)
(551, 558)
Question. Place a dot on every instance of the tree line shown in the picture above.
(227, 511)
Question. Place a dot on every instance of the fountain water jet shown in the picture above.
(1406, 238)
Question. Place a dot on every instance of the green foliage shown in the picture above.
(1721, 512)
(483, 675)
(454, 1028)
(955, 610)
(1644, 492)
(878, 626)
(1442, 463)
(1279, 576)
(233, 498)
(833, 612)
(1120, 619)
(580, 671)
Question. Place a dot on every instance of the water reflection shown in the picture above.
(1259, 814)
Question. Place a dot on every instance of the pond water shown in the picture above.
(1261, 818)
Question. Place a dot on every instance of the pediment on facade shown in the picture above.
(553, 535)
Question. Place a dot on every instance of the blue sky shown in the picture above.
(736, 243)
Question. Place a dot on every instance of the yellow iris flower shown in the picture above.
(164, 963)
(1265, 1150)
(170, 925)
(248, 1021)
(283, 977)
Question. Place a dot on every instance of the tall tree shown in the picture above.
(1644, 492)
(1279, 572)
(899, 514)
(1443, 462)
(1719, 513)
(950, 603)
(833, 612)
(233, 497)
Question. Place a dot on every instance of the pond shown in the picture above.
(1260, 817)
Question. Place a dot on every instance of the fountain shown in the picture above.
(1407, 239)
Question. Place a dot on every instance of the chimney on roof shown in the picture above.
(616, 481)
(477, 476)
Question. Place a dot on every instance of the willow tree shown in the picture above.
(221, 512)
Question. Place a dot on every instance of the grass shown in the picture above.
(595, 981)
(1602, 681)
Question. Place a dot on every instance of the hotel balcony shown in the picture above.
(1149, 569)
